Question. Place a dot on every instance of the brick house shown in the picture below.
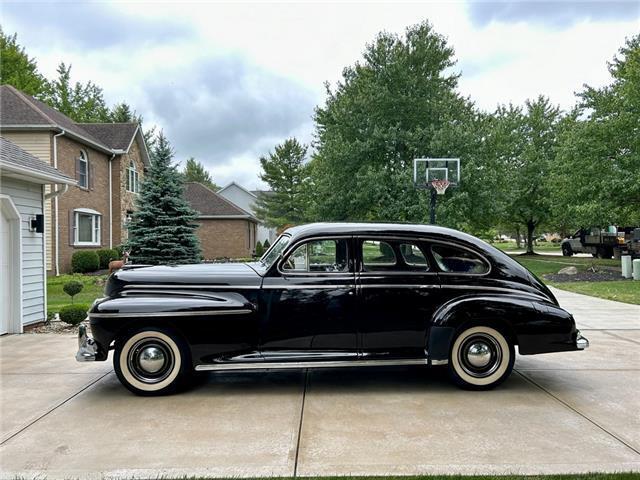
(106, 160)
(225, 230)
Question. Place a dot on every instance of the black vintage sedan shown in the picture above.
(330, 295)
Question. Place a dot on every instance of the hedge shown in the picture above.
(74, 314)
(106, 255)
(85, 261)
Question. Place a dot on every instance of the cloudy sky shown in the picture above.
(228, 81)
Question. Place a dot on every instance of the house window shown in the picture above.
(82, 170)
(86, 227)
(132, 178)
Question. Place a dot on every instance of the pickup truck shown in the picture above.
(603, 243)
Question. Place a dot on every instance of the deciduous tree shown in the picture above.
(195, 171)
(18, 69)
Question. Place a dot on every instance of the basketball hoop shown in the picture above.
(440, 186)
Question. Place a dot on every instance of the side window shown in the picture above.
(82, 170)
(318, 256)
(413, 257)
(377, 255)
(457, 260)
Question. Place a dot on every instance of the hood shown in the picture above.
(227, 274)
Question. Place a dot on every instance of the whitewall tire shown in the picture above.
(481, 358)
(151, 362)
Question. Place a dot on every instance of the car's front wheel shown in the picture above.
(481, 358)
(151, 361)
(566, 250)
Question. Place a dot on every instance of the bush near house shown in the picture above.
(106, 255)
(85, 261)
(74, 314)
(259, 249)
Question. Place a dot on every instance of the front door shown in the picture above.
(308, 303)
(398, 291)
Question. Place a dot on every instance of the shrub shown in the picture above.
(72, 288)
(106, 255)
(259, 249)
(74, 314)
(266, 244)
(85, 261)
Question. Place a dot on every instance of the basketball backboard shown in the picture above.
(427, 170)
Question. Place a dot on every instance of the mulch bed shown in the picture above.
(52, 327)
(605, 275)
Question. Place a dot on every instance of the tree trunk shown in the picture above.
(531, 226)
(518, 243)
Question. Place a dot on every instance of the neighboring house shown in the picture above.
(225, 230)
(23, 177)
(106, 160)
(246, 200)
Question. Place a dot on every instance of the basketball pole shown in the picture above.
(434, 195)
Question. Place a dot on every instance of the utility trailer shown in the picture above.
(603, 242)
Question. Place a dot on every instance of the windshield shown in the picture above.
(271, 255)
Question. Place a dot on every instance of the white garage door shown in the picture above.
(5, 272)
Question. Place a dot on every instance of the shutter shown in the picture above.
(72, 227)
(99, 220)
(78, 169)
(90, 175)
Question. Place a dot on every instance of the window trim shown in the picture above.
(457, 245)
(292, 247)
(96, 227)
(429, 241)
(84, 158)
(361, 251)
(135, 185)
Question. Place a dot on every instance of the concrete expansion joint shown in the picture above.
(575, 410)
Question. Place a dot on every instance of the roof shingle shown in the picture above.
(209, 203)
(117, 136)
(11, 154)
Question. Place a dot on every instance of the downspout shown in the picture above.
(111, 204)
(55, 201)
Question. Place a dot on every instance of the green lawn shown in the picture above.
(628, 291)
(56, 298)
(541, 247)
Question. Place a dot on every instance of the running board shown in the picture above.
(317, 364)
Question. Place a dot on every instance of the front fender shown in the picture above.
(110, 317)
(536, 326)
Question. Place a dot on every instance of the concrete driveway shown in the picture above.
(558, 413)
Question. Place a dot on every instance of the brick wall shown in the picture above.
(96, 198)
(226, 238)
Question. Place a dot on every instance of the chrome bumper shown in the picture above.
(87, 348)
(581, 342)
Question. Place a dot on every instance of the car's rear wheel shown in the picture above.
(151, 361)
(481, 358)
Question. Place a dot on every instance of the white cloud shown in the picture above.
(242, 77)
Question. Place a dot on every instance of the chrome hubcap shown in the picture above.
(151, 359)
(479, 354)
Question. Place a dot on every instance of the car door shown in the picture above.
(309, 301)
(397, 293)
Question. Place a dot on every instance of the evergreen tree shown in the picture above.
(195, 171)
(18, 69)
(286, 174)
(162, 230)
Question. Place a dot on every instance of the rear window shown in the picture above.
(458, 260)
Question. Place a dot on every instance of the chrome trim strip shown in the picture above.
(171, 314)
(405, 285)
(316, 364)
(193, 287)
(439, 362)
(309, 286)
